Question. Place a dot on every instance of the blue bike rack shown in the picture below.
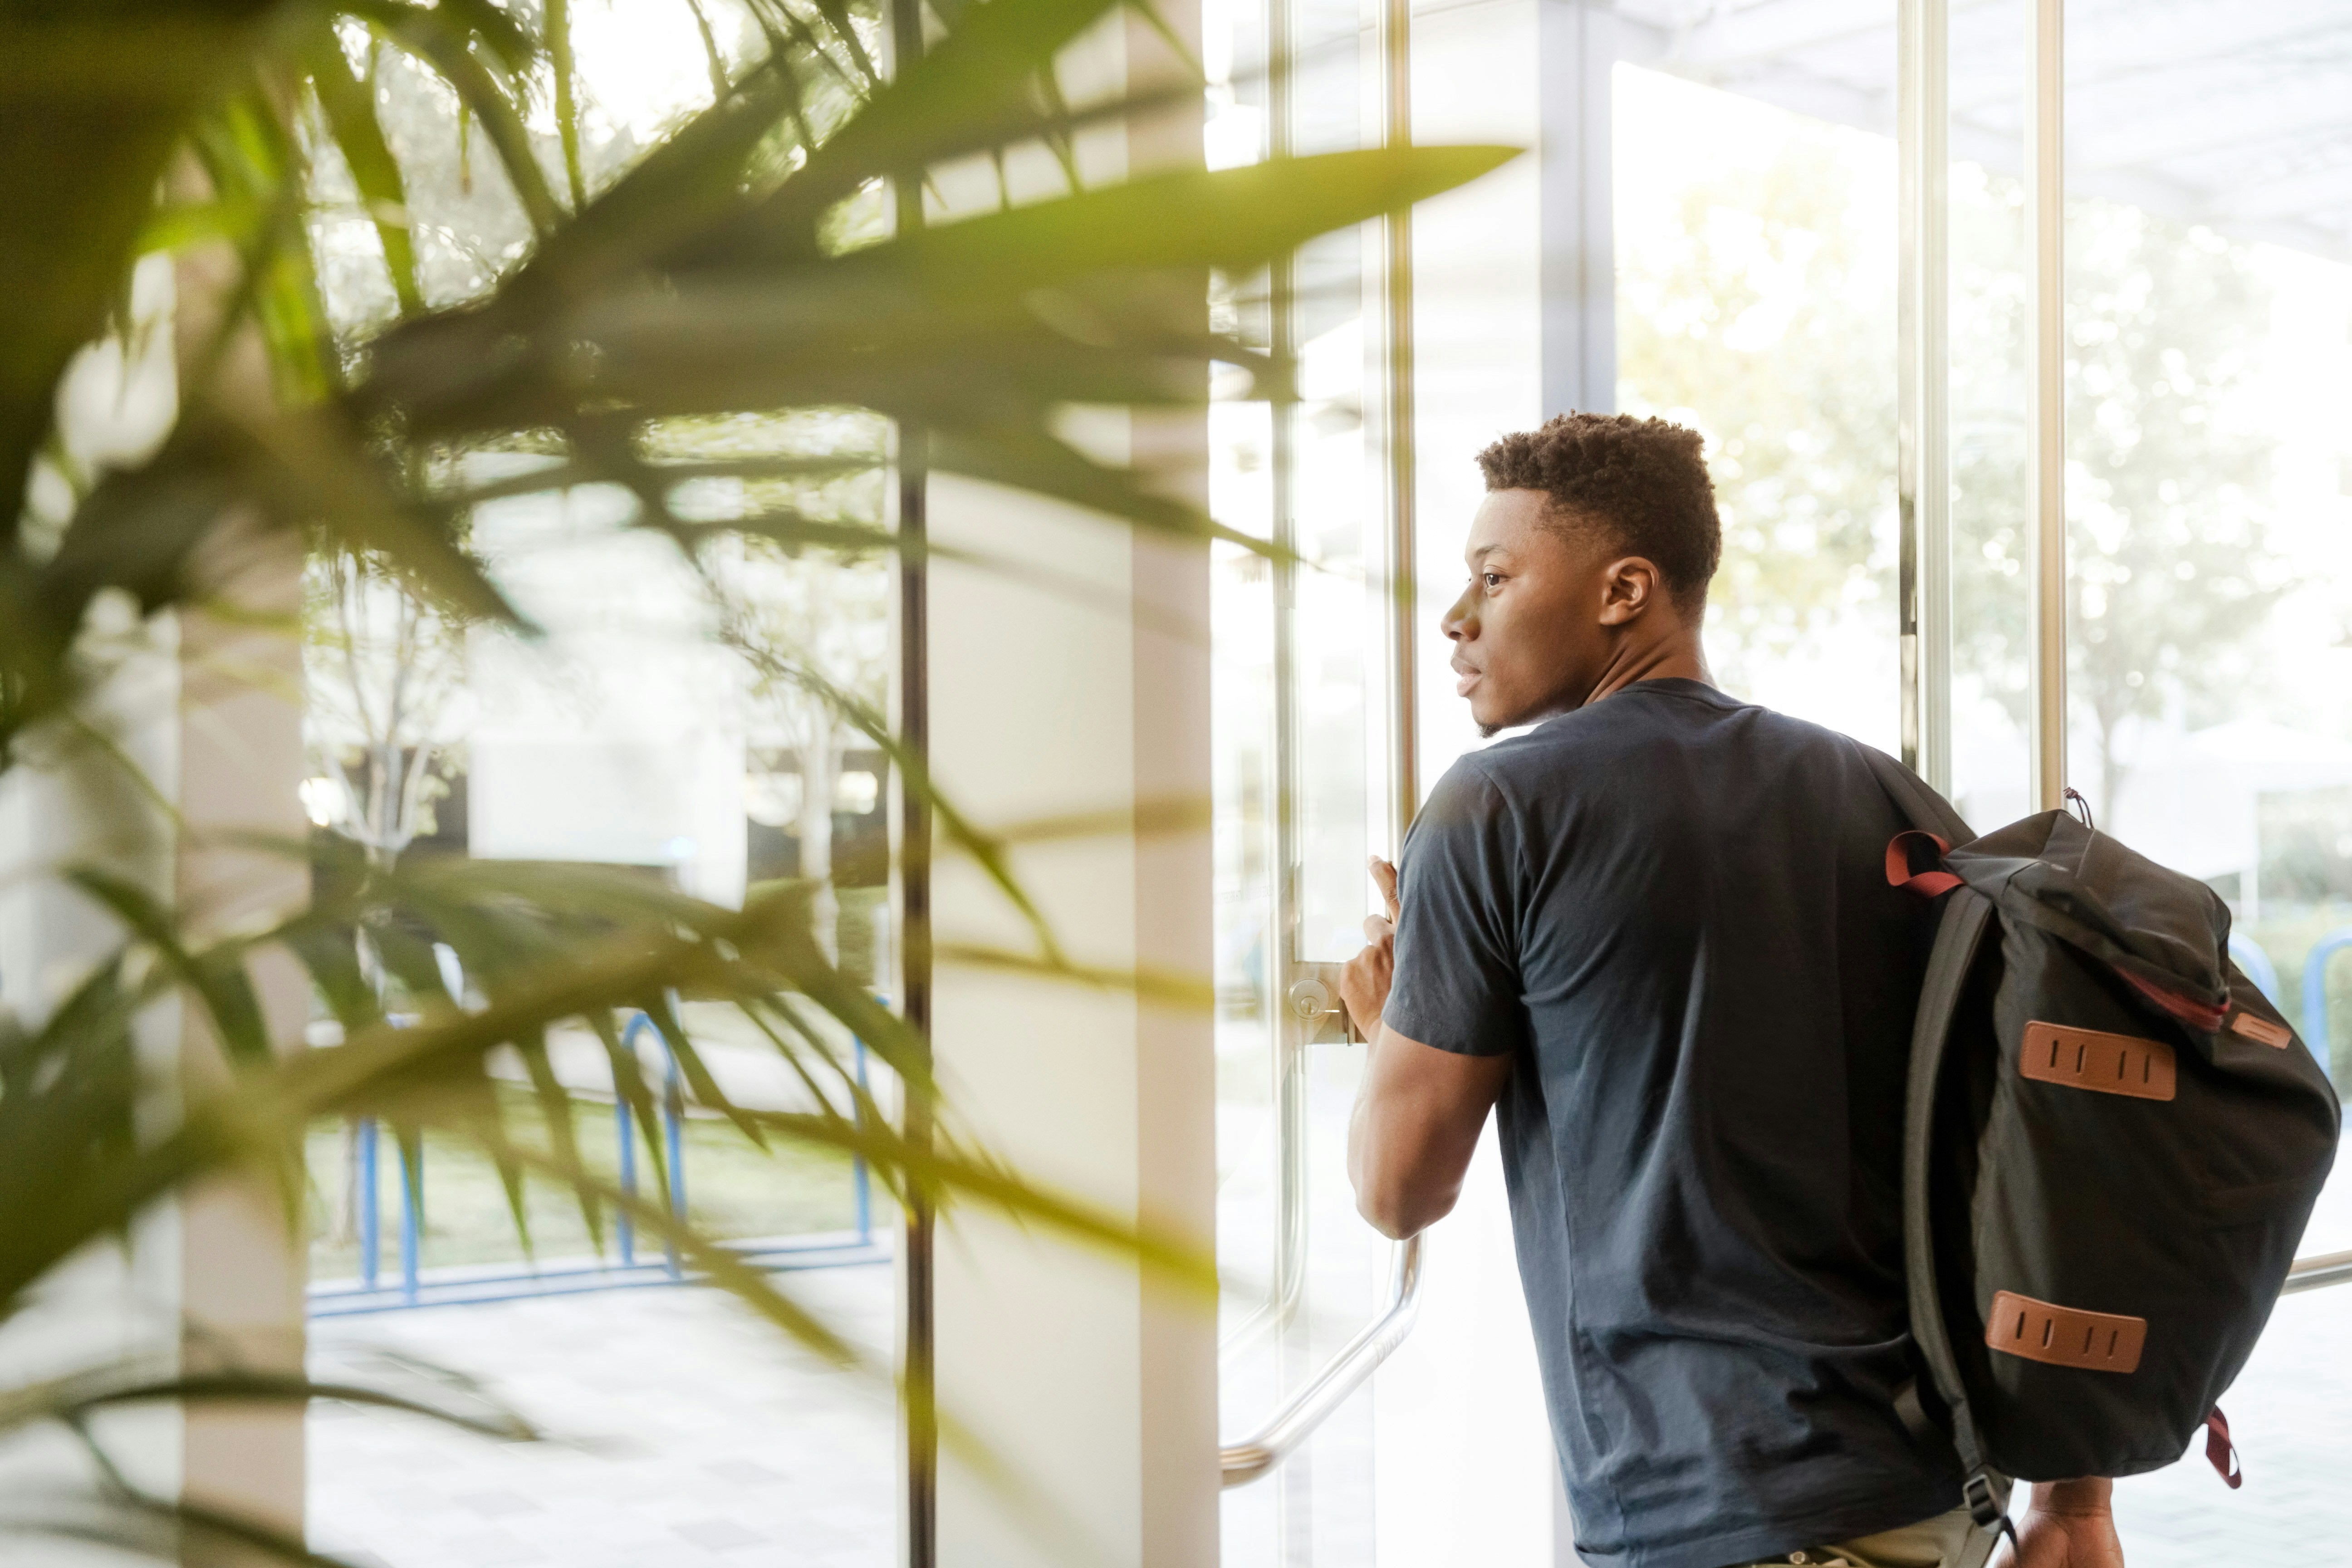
(2316, 1034)
(412, 1200)
(369, 1243)
(2257, 965)
(452, 1287)
(673, 1112)
(857, 1176)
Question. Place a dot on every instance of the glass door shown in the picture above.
(2029, 424)
(2204, 378)
(1302, 706)
(2143, 284)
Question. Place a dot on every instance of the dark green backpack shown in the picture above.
(2112, 1143)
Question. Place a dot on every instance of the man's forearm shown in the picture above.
(1359, 1114)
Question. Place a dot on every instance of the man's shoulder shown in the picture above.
(1624, 748)
(1670, 710)
(1641, 716)
(1466, 791)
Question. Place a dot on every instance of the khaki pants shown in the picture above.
(1947, 1540)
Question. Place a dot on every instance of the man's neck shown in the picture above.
(1677, 656)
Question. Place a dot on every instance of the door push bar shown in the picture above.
(1273, 1442)
(2311, 1273)
(1288, 1426)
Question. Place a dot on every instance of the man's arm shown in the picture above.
(1418, 1117)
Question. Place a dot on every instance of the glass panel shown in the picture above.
(1989, 353)
(1336, 506)
(2208, 392)
(1335, 498)
(682, 1427)
(1296, 702)
(1247, 788)
(1249, 948)
(1756, 241)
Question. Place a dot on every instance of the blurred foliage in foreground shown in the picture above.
(571, 320)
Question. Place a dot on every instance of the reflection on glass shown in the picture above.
(2208, 398)
(625, 735)
(1335, 511)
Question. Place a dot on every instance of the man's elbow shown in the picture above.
(1397, 1210)
(1389, 1220)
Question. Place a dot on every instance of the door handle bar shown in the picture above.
(1244, 1462)
(1275, 1441)
(2322, 1268)
(1309, 1001)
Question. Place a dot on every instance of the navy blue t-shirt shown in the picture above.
(1671, 907)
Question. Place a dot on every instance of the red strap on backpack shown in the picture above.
(1927, 884)
(2187, 1009)
(2219, 1452)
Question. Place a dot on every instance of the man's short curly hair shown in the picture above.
(1643, 480)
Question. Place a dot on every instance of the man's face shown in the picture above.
(1529, 638)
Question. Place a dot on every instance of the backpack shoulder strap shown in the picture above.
(1959, 935)
(1958, 938)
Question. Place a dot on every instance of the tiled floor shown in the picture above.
(684, 1432)
(2291, 1414)
(687, 1432)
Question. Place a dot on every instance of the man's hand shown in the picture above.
(2069, 1526)
(1420, 1109)
(1364, 981)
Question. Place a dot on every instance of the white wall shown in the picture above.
(1071, 676)
(1041, 705)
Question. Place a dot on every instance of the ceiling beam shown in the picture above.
(1724, 44)
(2224, 30)
(2310, 213)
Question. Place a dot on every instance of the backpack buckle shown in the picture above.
(1985, 1506)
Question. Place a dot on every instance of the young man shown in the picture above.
(1656, 930)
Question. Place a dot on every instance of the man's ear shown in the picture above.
(1628, 587)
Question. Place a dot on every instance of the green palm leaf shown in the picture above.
(705, 279)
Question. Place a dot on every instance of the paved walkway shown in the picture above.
(688, 1432)
(2290, 1414)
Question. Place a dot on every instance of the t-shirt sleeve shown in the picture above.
(1458, 970)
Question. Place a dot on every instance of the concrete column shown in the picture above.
(1099, 1395)
(195, 733)
(1071, 675)
(237, 740)
(241, 1268)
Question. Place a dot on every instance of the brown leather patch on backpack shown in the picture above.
(2261, 1031)
(2064, 1336)
(2090, 1058)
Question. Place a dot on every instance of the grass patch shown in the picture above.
(734, 1190)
